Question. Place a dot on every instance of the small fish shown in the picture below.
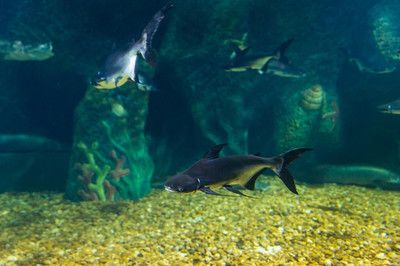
(390, 108)
(120, 67)
(275, 63)
(226, 172)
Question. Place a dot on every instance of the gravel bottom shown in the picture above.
(326, 225)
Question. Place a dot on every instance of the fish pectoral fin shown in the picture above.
(265, 66)
(234, 190)
(117, 80)
(208, 190)
(250, 185)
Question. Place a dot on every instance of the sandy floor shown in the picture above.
(324, 225)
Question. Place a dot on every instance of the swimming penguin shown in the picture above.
(120, 67)
(275, 63)
(215, 172)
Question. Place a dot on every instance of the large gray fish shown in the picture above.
(390, 108)
(120, 67)
(275, 63)
(243, 170)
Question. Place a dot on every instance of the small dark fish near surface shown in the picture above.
(120, 67)
(390, 108)
(275, 63)
(243, 170)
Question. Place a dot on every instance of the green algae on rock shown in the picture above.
(110, 160)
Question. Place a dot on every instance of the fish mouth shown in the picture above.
(169, 189)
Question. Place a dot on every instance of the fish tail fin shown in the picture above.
(282, 162)
(167, 7)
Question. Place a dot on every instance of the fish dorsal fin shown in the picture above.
(145, 42)
(213, 153)
(280, 51)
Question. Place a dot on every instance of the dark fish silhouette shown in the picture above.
(214, 172)
(121, 66)
(275, 63)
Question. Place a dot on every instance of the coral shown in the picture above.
(313, 98)
(89, 170)
(138, 183)
(332, 115)
(101, 189)
(119, 170)
(110, 190)
(330, 136)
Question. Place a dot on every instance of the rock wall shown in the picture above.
(110, 159)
